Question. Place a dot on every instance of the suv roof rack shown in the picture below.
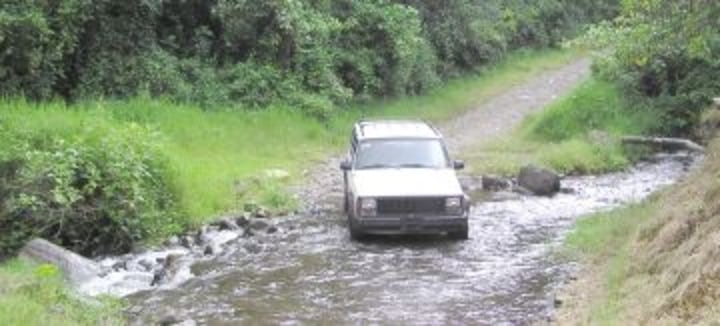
(364, 122)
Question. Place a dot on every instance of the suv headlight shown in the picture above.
(454, 205)
(368, 207)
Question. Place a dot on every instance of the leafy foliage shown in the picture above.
(310, 54)
(37, 295)
(665, 54)
(98, 190)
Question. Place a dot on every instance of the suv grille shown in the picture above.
(420, 206)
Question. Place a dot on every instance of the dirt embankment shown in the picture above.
(673, 275)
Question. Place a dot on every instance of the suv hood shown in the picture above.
(405, 182)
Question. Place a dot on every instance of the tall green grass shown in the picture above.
(578, 133)
(604, 241)
(213, 154)
(36, 295)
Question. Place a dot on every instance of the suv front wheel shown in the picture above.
(460, 235)
(355, 234)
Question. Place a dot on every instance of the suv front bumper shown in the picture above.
(409, 224)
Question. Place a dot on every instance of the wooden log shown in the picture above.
(77, 269)
(669, 144)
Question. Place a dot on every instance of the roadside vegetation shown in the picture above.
(577, 134)
(656, 262)
(142, 169)
(123, 122)
(36, 295)
(127, 121)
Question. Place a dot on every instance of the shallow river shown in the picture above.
(310, 272)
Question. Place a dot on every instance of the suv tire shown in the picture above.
(346, 203)
(459, 235)
(355, 234)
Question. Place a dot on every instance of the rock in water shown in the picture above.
(227, 224)
(495, 183)
(539, 181)
(77, 269)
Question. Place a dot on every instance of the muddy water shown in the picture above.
(310, 271)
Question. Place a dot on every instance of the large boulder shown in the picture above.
(539, 181)
(77, 269)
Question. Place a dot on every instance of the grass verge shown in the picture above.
(604, 243)
(213, 156)
(36, 295)
(576, 134)
(211, 162)
(654, 263)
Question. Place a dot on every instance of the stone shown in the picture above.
(77, 269)
(252, 247)
(277, 174)
(209, 250)
(539, 181)
(119, 266)
(169, 320)
(243, 220)
(172, 242)
(202, 236)
(146, 264)
(168, 270)
(495, 183)
(248, 233)
(272, 229)
(262, 213)
(187, 241)
(228, 224)
(259, 224)
(567, 191)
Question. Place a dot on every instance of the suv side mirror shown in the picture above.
(458, 165)
(345, 166)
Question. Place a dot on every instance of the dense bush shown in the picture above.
(94, 188)
(311, 54)
(665, 54)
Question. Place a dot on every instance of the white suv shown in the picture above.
(399, 180)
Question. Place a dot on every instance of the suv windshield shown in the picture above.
(401, 153)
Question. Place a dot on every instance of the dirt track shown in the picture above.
(323, 189)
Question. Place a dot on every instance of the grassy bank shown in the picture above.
(121, 172)
(654, 263)
(209, 157)
(578, 133)
(36, 295)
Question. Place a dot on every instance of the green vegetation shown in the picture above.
(313, 55)
(119, 172)
(576, 134)
(605, 241)
(36, 295)
(655, 72)
(655, 262)
(664, 55)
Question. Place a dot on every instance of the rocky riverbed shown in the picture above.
(304, 268)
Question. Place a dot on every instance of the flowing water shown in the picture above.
(310, 272)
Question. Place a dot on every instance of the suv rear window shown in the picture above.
(401, 153)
